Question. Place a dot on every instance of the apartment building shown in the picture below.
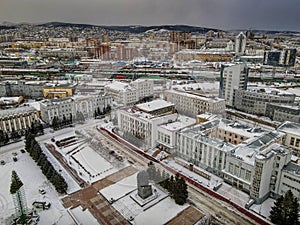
(192, 104)
(281, 113)
(232, 77)
(254, 100)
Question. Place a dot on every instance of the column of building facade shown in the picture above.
(28, 120)
(19, 122)
(24, 121)
(4, 125)
(14, 123)
(9, 124)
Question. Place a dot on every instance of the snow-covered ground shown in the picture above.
(160, 213)
(92, 166)
(120, 188)
(263, 209)
(33, 179)
(83, 217)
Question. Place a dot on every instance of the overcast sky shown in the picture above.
(223, 14)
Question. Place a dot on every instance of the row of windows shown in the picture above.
(292, 179)
(291, 187)
(239, 172)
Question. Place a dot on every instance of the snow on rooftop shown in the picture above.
(120, 86)
(196, 96)
(154, 105)
(268, 90)
(182, 121)
(290, 127)
(295, 91)
(206, 86)
(254, 147)
(23, 109)
(35, 105)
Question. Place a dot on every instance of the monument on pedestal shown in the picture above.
(144, 188)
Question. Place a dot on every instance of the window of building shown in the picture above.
(297, 142)
(248, 175)
(292, 141)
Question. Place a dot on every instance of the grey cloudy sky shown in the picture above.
(223, 14)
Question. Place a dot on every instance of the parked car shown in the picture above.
(22, 151)
(42, 191)
(42, 205)
(15, 159)
(2, 162)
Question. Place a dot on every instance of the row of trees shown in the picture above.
(35, 151)
(36, 129)
(60, 123)
(98, 112)
(176, 186)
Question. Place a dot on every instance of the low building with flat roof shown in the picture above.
(292, 135)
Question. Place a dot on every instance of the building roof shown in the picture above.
(248, 150)
(182, 122)
(268, 91)
(120, 86)
(292, 168)
(23, 109)
(194, 95)
(154, 105)
(290, 127)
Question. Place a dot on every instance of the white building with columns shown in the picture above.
(142, 120)
(18, 119)
(65, 107)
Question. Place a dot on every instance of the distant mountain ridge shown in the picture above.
(135, 28)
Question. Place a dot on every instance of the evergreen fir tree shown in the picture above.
(45, 167)
(180, 191)
(285, 210)
(171, 186)
(16, 183)
(42, 159)
(3, 137)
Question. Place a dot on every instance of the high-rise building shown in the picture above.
(286, 57)
(232, 77)
(240, 44)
